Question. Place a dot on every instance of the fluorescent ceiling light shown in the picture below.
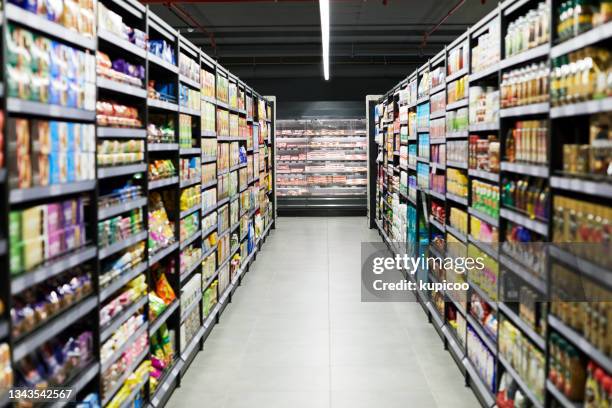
(324, 10)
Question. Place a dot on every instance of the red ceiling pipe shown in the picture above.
(186, 16)
(435, 28)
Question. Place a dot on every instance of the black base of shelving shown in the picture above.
(318, 211)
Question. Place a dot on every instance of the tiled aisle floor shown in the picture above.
(297, 334)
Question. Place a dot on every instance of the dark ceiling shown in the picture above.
(374, 40)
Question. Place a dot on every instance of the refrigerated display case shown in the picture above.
(321, 166)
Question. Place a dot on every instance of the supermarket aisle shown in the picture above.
(297, 334)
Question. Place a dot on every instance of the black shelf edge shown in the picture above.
(526, 390)
(108, 212)
(457, 199)
(536, 170)
(437, 224)
(116, 171)
(162, 147)
(31, 20)
(122, 244)
(129, 370)
(162, 253)
(163, 317)
(478, 384)
(120, 87)
(484, 337)
(165, 182)
(518, 218)
(22, 106)
(54, 190)
(187, 274)
(190, 239)
(584, 266)
(579, 341)
(193, 342)
(121, 280)
(518, 269)
(209, 251)
(522, 326)
(53, 327)
(484, 217)
(189, 309)
(164, 386)
(122, 317)
(560, 396)
(125, 45)
(208, 159)
(120, 133)
(489, 249)
(595, 188)
(456, 233)
(118, 352)
(52, 268)
(485, 175)
(190, 211)
(189, 183)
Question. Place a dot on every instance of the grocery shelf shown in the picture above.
(525, 169)
(439, 88)
(162, 147)
(437, 141)
(483, 127)
(190, 239)
(582, 108)
(120, 87)
(518, 218)
(463, 71)
(474, 324)
(114, 40)
(52, 268)
(458, 165)
(518, 269)
(159, 104)
(162, 253)
(120, 133)
(456, 198)
(189, 81)
(560, 396)
(161, 183)
(580, 342)
(488, 248)
(187, 311)
(436, 115)
(108, 172)
(584, 266)
(456, 233)
(480, 387)
(189, 151)
(483, 295)
(540, 51)
(163, 317)
(457, 135)
(22, 16)
(489, 71)
(485, 175)
(193, 343)
(189, 183)
(121, 245)
(209, 184)
(595, 188)
(53, 327)
(533, 109)
(21, 106)
(522, 385)
(122, 280)
(122, 317)
(437, 224)
(191, 210)
(592, 36)
(120, 382)
(127, 343)
(493, 221)
(458, 104)
(161, 63)
(536, 338)
(54, 190)
(111, 211)
(439, 196)
(185, 275)
(120, 180)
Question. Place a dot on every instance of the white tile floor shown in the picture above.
(298, 335)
